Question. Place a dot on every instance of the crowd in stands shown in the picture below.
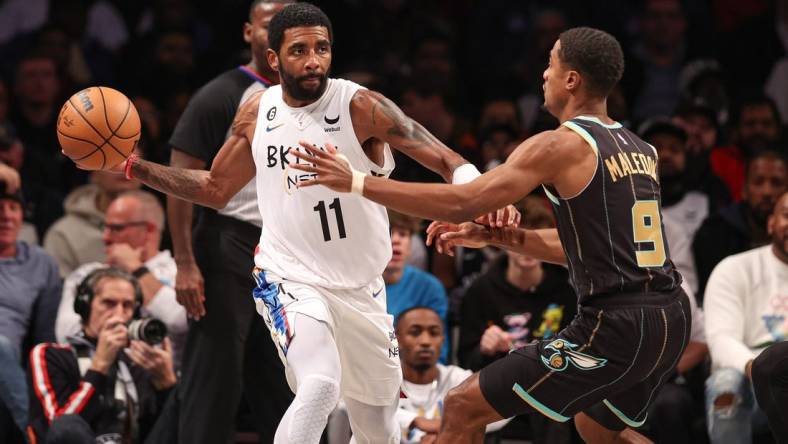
(706, 83)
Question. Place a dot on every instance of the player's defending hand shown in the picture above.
(507, 216)
(447, 235)
(330, 168)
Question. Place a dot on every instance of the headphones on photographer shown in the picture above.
(85, 290)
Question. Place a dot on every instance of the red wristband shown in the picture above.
(129, 162)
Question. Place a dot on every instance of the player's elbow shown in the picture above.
(215, 197)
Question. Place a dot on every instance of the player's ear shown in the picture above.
(273, 60)
(572, 80)
(248, 32)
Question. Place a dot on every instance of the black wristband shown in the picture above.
(140, 272)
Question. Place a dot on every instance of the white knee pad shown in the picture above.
(316, 398)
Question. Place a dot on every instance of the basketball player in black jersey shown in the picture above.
(633, 322)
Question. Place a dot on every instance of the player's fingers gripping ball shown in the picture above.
(98, 128)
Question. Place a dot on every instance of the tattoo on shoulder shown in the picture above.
(401, 130)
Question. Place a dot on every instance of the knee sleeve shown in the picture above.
(316, 398)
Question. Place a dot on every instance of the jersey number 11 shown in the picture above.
(321, 209)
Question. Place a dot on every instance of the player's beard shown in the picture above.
(292, 85)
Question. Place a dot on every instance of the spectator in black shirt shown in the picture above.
(519, 299)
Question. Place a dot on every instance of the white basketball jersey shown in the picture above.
(315, 235)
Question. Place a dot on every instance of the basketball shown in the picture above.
(98, 128)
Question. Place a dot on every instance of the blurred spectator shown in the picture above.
(420, 335)
(700, 122)
(102, 23)
(777, 87)
(29, 292)
(499, 112)
(681, 252)
(755, 127)
(548, 25)
(132, 233)
(741, 226)
(518, 300)
(746, 308)
(176, 14)
(653, 70)
(432, 109)
(76, 238)
(703, 81)
(101, 386)
(750, 51)
(495, 141)
(168, 66)
(406, 286)
(688, 207)
(673, 415)
(42, 206)
(34, 115)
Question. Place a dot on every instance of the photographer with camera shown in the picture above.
(132, 233)
(109, 383)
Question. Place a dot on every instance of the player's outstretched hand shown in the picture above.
(329, 168)
(507, 216)
(446, 236)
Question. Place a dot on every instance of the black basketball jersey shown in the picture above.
(612, 230)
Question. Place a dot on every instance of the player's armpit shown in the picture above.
(376, 116)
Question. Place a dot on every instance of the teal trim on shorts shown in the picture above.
(538, 406)
(623, 417)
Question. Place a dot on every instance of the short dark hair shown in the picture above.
(757, 99)
(764, 155)
(410, 309)
(403, 221)
(596, 55)
(295, 16)
(256, 3)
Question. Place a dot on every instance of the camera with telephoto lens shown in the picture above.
(149, 330)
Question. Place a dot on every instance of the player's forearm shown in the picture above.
(453, 203)
(179, 216)
(544, 244)
(192, 185)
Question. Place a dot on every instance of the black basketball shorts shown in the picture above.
(610, 362)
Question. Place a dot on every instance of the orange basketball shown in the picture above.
(98, 128)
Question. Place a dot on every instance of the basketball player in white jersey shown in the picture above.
(321, 253)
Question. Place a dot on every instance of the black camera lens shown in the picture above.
(149, 330)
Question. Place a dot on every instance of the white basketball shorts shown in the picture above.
(362, 329)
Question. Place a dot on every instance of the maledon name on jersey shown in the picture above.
(612, 230)
(315, 235)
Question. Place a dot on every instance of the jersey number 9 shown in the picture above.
(647, 230)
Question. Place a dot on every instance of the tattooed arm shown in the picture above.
(376, 116)
(232, 168)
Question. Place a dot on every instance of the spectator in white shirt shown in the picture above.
(746, 308)
(132, 234)
(425, 381)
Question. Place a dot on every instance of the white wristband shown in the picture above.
(465, 173)
(357, 185)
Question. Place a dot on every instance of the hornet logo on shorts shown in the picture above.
(563, 354)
